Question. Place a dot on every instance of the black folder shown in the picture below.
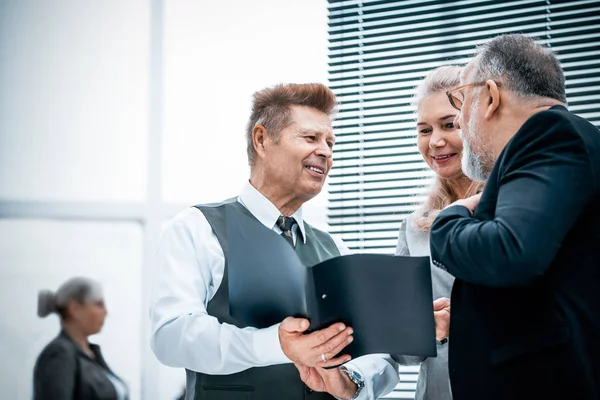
(386, 299)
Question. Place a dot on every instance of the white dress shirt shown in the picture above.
(190, 270)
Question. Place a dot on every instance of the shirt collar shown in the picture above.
(264, 210)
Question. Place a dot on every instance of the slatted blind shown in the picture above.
(379, 51)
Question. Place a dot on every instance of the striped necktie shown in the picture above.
(286, 224)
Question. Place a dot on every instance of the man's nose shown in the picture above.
(324, 150)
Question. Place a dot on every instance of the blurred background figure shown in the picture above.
(440, 146)
(70, 367)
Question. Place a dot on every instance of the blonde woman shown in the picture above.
(69, 367)
(440, 146)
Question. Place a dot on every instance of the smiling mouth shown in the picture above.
(444, 157)
(315, 169)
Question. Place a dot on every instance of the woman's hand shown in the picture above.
(470, 202)
(441, 314)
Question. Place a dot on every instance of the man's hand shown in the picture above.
(309, 349)
(469, 202)
(441, 314)
(332, 381)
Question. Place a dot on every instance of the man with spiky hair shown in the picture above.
(289, 144)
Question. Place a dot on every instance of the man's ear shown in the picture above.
(493, 100)
(259, 137)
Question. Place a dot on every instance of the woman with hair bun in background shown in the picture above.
(70, 367)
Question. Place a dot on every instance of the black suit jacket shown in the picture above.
(525, 320)
(64, 372)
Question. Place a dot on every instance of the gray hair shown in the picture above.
(440, 79)
(77, 289)
(522, 66)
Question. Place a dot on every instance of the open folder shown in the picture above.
(386, 299)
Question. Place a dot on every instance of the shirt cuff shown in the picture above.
(379, 373)
(267, 346)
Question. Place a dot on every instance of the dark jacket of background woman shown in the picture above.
(64, 371)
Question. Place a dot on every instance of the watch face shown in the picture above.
(356, 378)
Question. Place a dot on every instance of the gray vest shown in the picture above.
(274, 382)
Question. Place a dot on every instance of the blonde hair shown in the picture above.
(442, 192)
(441, 195)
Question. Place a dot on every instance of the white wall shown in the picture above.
(75, 82)
(217, 53)
(73, 103)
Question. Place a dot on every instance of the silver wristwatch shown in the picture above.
(356, 378)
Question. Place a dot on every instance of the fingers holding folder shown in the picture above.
(317, 348)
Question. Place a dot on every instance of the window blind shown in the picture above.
(379, 51)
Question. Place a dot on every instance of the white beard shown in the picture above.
(472, 163)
